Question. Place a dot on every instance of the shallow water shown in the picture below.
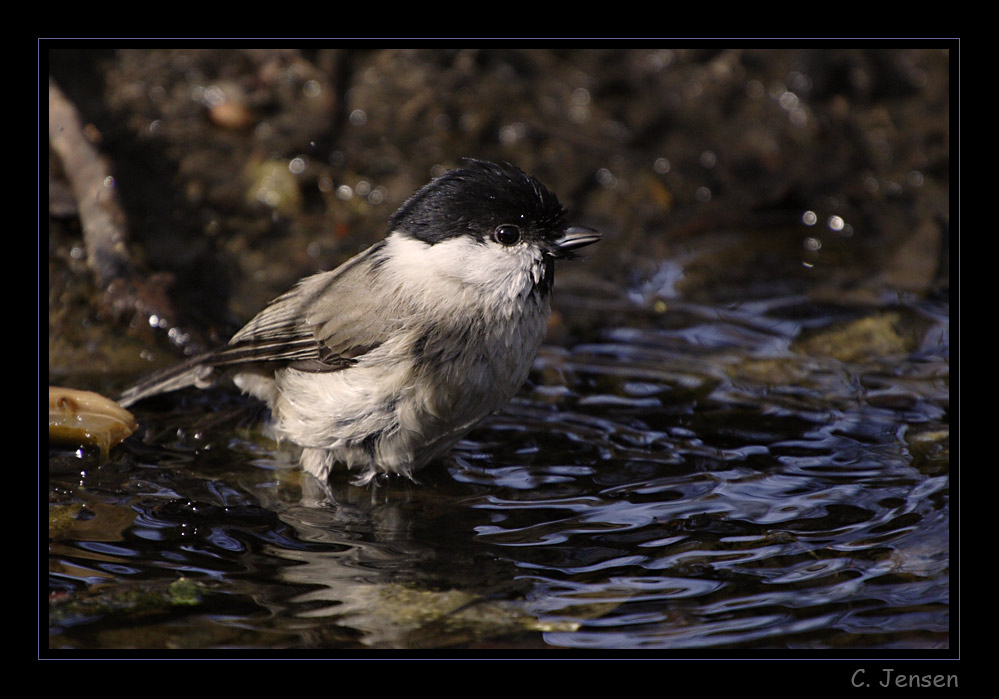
(698, 479)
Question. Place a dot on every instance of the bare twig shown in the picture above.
(129, 290)
(101, 216)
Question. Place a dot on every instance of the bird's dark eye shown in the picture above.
(507, 234)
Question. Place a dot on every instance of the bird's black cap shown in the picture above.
(475, 199)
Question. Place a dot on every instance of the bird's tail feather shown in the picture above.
(197, 371)
(201, 370)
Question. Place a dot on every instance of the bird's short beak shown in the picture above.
(575, 237)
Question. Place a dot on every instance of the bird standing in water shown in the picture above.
(383, 363)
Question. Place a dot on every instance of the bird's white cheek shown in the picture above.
(459, 265)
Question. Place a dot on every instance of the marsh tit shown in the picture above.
(383, 363)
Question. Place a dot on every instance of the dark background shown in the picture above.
(666, 150)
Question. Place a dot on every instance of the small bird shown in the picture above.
(385, 362)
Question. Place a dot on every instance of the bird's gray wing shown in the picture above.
(323, 323)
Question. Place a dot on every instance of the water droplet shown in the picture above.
(312, 88)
